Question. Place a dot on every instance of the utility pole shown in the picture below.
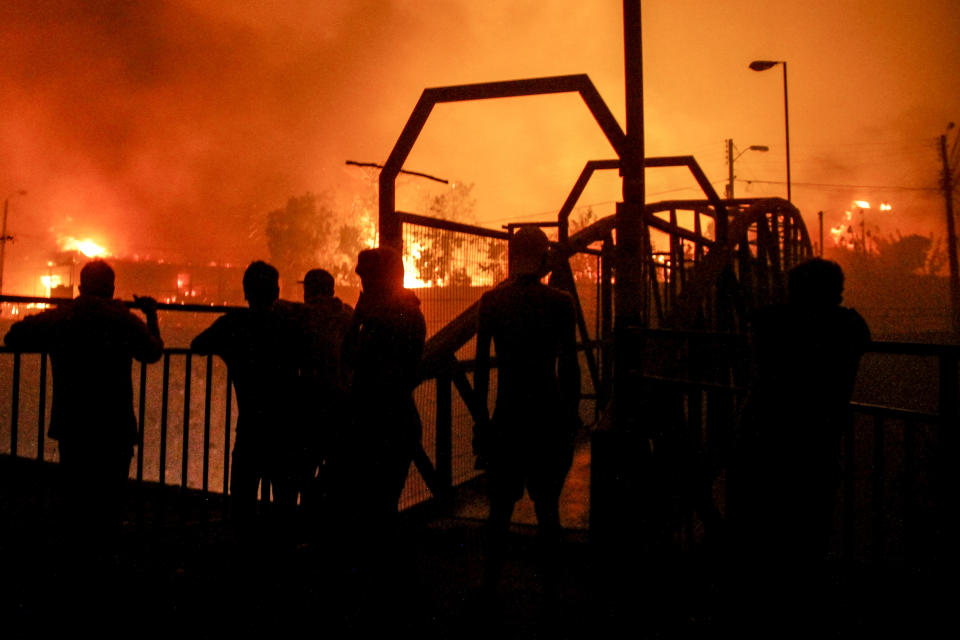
(820, 218)
(732, 158)
(947, 185)
(4, 238)
(3, 242)
(730, 169)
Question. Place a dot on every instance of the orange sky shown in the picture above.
(172, 127)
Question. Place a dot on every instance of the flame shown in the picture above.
(837, 234)
(411, 281)
(862, 204)
(50, 282)
(886, 206)
(87, 247)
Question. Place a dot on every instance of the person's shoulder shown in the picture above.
(35, 326)
(288, 310)
(498, 297)
(555, 293)
(408, 299)
(771, 316)
(229, 320)
(853, 322)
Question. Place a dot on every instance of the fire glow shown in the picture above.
(410, 279)
(50, 281)
(87, 247)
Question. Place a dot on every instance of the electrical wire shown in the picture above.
(843, 186)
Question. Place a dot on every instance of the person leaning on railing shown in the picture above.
(263, 347)
(92, 342)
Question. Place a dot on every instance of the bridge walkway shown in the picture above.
(190, 577)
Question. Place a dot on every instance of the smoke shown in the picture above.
(169, 128)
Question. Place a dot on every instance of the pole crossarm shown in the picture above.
(390, 232)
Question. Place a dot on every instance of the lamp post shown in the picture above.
(731, 158)
(3, 234)
(763, 65)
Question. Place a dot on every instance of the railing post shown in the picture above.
(15, 405)
(187, 378)
(879, 528)
(946, 474)
(164, 408)
(909, 493)
(141, 421)
(849, 493)
(42, 407)
(606, 318)
(226, 445)
(141, 425)
(444, 429)
(208, 388)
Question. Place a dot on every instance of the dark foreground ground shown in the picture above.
(188, 578)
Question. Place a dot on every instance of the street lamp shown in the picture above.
(763, 65)
(731, 158)
(3, 234)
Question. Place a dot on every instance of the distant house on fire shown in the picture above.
(173, 282)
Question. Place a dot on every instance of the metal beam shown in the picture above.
(390, 226)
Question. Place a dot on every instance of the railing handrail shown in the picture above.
(163, 306)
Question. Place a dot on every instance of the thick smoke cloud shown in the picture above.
(170, 127)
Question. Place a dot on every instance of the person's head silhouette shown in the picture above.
(97, 279)
(528, 250)
(380, 270)
(317, 284)
(816, 283)
(261, 285)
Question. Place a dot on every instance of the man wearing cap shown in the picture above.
(325, 321)
(92, 342)
(529, 440)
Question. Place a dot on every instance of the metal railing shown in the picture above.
(896, 456)
(186, 418)
(897, 452)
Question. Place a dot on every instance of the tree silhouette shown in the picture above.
(308, 233)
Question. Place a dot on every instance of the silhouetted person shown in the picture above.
(382, 352)
(786, 469)
(325, 320)
(263, 347)
(92, 342)
(529, 440)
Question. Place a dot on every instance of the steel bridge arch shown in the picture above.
(389, 221)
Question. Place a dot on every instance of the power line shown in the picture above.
(845, 186)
